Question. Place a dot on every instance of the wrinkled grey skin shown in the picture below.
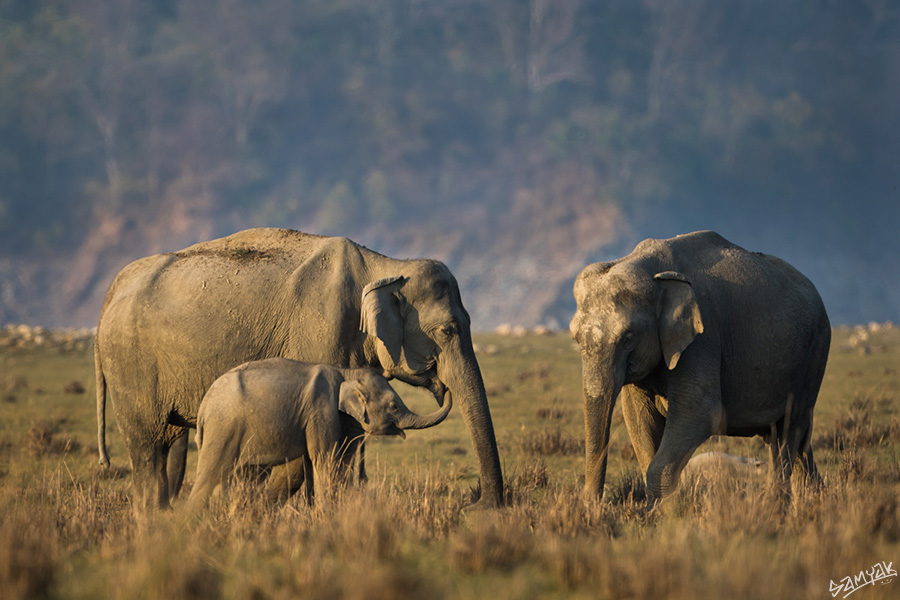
(172, 323)
(698, 337)
(266, 413)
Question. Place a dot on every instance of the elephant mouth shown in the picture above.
(428, 380)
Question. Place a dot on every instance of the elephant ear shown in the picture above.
(679, 317)
(352, 401)
(380, 314)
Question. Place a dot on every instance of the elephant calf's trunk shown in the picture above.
(413, 421)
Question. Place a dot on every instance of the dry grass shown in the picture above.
(546, 442)
(67, 529)
(414, 539)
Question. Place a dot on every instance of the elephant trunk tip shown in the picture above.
(413, 421)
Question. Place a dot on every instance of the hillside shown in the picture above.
(515, 140)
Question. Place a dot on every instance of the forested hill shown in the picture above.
(515, 140)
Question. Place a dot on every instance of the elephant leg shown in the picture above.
(144, 469)
(209, 475)
(788, 441)
(324, 457)
(217, 464)
(144, 439)
(177, 463)
(150, 482)
(782, 464)
(361, 454)
(644, 422)
(686, 428)
(808, 462)
(309, 483)
(353, 450)
(285, 480)
(348, 460)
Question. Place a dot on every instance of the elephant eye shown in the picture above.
(447, 331)
(629, 341)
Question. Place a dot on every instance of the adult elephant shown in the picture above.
(700, 337)
(172, 323)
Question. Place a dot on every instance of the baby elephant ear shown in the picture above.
(678, 316)
(352, 401)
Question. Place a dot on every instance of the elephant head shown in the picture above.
(630, 322)
(369, 398)
(420, 333)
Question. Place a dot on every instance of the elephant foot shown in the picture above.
(590, 495)
(483, 504)
(484, 499)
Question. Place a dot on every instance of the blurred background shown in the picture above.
(516, 140)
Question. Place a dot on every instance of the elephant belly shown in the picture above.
(262, 455)
(753, 410)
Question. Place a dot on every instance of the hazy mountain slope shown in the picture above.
(516, 140)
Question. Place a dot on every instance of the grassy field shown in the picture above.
(67, 529)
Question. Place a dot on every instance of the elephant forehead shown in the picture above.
(615, 292)
(431, 279)
(593, 334)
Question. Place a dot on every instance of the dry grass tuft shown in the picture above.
(547, 442)
(74, 387)
(534, 475)
(538, 374)
(551, 413)
(490, 542)
(10, 386)
(41, 440)
(858, 428)
(29, 552)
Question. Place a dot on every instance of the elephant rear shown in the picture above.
(776, 336)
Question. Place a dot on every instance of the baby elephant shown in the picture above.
(269, 412)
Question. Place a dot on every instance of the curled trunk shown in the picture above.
(411, 420)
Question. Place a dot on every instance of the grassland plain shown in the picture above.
(67, 528)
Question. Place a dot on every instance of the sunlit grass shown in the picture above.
(67, 528)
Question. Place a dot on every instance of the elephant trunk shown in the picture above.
(458, 368)
(602, 381)
(410, 420)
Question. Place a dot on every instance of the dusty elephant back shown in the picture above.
(274, 398)
(258, 243)
(771, 325)
(752, 282)
(174, 322)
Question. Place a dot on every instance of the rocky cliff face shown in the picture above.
(516, 267)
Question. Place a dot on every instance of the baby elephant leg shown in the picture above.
(215, 466)
(286, 480)
(352, 451)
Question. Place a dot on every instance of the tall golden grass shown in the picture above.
(67, 528)
(402, 538)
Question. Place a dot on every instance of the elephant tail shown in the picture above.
(198, 437)
(101, 405)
